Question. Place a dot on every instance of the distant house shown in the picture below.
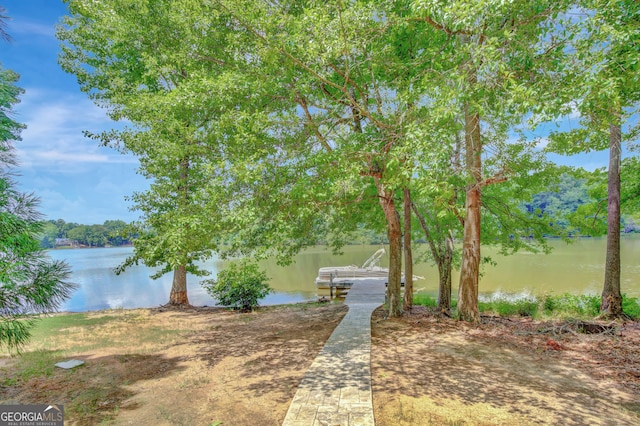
(65, 242)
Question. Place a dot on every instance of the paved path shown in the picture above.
(336, 390)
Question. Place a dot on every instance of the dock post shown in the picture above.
(331, 286)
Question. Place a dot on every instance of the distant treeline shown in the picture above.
(565, 205)
(58, 233)
(560, 205)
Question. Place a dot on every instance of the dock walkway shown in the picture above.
(336, 390)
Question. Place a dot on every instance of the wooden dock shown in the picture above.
(339, 287)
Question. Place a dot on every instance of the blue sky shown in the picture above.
(77, 180)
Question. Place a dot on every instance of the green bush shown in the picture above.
(423, 299)
(549, 304)
(508, 308)
(631, 306)
(240, 286)
(560, 306)
(569, 304)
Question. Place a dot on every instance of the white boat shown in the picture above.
(335, 275)
(342, 277)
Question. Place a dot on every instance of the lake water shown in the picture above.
(576, 268)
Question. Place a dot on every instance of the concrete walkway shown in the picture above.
(336, 390)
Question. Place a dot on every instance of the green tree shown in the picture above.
(508, 220)
(607, 47)
(321, 111)
(48, 235)
(630, 193)
(62, 228)
(80, 234)
(490, 73)
(30, 283)
(97, 236)
(591, 217)
(560, 201)
(114, 232)
(157, 66)
(117, 232)
(334, 144)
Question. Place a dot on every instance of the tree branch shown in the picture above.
(214, 60)
(303, 103)
(497, 178)
(439, 26)
(434, 250)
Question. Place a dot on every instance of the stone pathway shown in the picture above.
(336, 390)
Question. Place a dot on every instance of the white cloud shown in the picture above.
(67, 115)
(76, 178)
(72, 157)
(54, 136)
(58, 205)
(82, 202)
(541, 143)
(575, 113)
(30, 28)
(107, 185)
(44, 182)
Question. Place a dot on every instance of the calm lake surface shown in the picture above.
(576, 268)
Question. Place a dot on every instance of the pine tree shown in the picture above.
(30, 282)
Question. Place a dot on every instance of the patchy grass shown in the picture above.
(423, 299)
(164, 366)
(118, 348)
(38, 363)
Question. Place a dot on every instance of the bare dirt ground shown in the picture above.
(191, 367)
(211, 366)
(430, 370)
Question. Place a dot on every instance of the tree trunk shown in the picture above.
(444, 274)
(408, 255)
(178, 296)
(470, 269)
(394, 234)
(443, 256)
(611, 297)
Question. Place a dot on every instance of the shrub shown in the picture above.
(422, 299)
(240, 286)
(506, 308)
(570, 305)
(525, 308)
(555, 306)
(631, 306)
(549, 304)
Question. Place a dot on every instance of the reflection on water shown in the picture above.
(577, 268)
(100, 288)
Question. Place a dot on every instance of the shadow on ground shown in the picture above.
(282, 346)
(90, 393)
(439, 372)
